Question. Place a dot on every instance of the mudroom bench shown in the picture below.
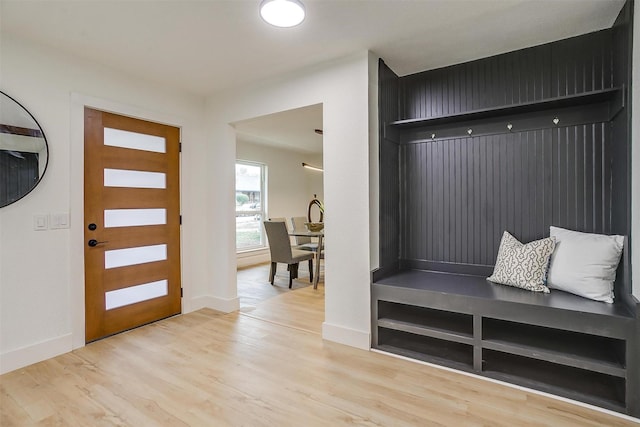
(557, 342)
(521, 143)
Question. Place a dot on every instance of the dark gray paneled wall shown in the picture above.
(389, 171)
(521, 76)
(621, 146)
(389, 205)
(582, 64)
(579, 64)
(459, 195)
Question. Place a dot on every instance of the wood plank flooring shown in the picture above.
(301, 309)
(254, 286)
(269, 367)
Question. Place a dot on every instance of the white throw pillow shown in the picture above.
(522, 265)
(584, 263)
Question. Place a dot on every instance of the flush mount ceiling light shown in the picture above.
(282, 13)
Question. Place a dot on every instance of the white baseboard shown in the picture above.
(346, 336)
(25, 356)
(225, 305)
(245, 259)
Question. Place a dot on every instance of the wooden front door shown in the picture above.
(132, 223)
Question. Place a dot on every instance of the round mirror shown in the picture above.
(24, 153)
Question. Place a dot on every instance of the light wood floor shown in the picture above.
(254, 286)
(268, 367)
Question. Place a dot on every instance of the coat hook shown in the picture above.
(556, 120)
(469, 131)
(509, 126)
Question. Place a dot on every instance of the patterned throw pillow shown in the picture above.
(523, 266)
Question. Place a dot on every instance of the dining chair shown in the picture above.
(282, 252)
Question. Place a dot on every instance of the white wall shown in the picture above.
(290, 186)
(342, 87)
(41, 272)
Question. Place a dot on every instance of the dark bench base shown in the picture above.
(558, 342)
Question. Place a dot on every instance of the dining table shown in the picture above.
(317, 252)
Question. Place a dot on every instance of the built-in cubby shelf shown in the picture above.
(440, 351)
(579, 350)
(445, 325)
(590, 387)
(558, 343)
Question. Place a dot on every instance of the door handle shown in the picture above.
(94, 243)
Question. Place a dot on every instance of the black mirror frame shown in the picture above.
(46, 144)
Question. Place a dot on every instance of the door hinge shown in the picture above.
(181, 293)
(180, 219)
(180, 147)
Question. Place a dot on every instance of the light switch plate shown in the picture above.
(40, 222)
(59, 220)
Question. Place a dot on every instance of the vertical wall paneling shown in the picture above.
(390, 234)
(516, 77)
(462, 194)
(457, 195)
(621, 184)
(620, 151)
(568, 67)
(582, 64)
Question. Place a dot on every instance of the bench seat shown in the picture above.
(480, 288)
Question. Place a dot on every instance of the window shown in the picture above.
(250, 205)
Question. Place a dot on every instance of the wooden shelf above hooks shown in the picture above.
(571, 110)
(613, 96)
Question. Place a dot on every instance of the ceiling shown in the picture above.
(206, 46)
(292, 129)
